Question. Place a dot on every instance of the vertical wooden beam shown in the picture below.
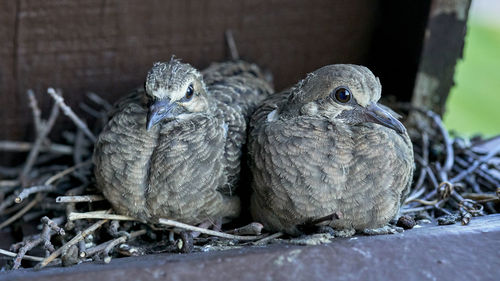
(443, 46)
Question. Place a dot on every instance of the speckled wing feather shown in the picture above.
(120, 164)
(305, 168)
(238, 88)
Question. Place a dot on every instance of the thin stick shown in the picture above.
(67, 171)
(207, 231)
(70, 207)
(9, 171)
(19, 146)
(475, 165)
(418, 209)
(481, 196)
(9, 200)
(137, 233)
(446, 137)
(37, 119)
(448, 164)
(118, 241)
(82, 249)
(92, 112)
(268, 238)
(38, 142)
(19, 214)
(80, 198)
(100, 101)
(231, 44)
(44, 238)
(94, 250)
(99, 248)
(111, 245)
(53, 225)
(48, 183)
(425, 152)
(69, 112)
(30, 244)
(77, 153)
(426, 202)
(25, 257)
(414, 196)
(71, 242)
(33, 189)
(9, 183)
(98, 215)
(432, 177)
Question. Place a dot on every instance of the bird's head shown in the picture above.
(342, 91)
(174, 89)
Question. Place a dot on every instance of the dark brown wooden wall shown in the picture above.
(108, 46)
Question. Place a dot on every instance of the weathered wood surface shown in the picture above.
(108, 46)
(452, 252)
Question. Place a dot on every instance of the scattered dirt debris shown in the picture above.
(406, 222)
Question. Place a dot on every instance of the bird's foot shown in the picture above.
(253, 228)
(317, 225)
(313, 239)
(388, 229)
(215, 225)
(345, 233)
(330, 217)
(205, 225)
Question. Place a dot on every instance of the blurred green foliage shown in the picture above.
(473, 106)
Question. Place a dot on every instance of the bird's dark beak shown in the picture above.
(376, 114)
(158, 111)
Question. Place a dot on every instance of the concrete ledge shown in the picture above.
(451, 252)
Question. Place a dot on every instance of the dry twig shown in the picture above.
(267, 239)
(98, 215)
(38, 142)
(72, 242)
(231, 44)
(33, 189)
(23, 211)
(69, 112)
(44, 238)
(37, 114)
(207, 231)
(79, 198)
(19, 146)
(25, 257)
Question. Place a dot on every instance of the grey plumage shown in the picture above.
(313, 155)
(172, 149)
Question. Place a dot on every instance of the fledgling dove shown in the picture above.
(172, 149)
(325, 146)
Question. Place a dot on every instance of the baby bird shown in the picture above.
(325, 146)
(172, 149)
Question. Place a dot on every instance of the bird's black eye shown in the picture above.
(342, 94)
(189, 92)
